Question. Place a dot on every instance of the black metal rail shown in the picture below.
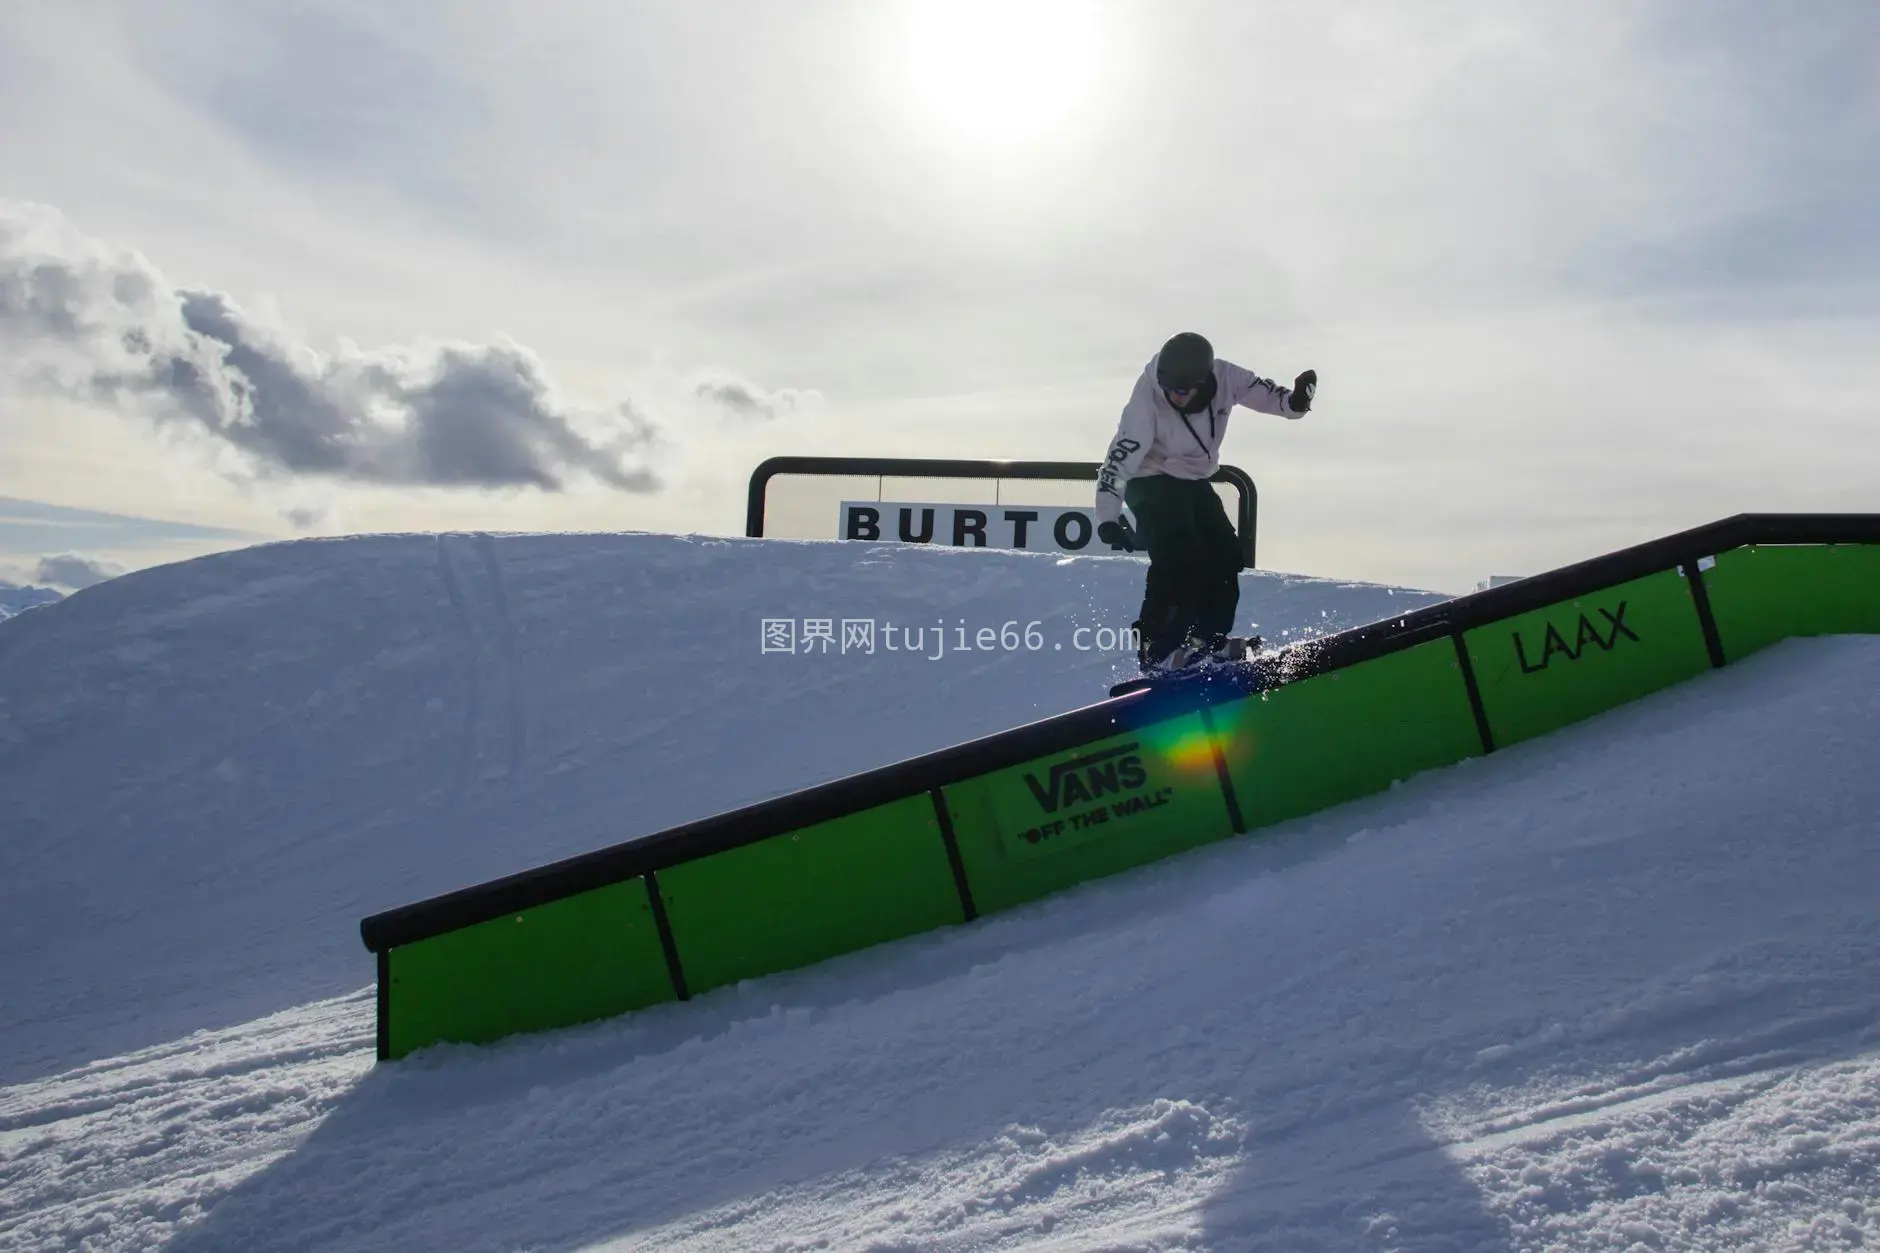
(1060, 732)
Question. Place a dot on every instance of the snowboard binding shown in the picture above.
(1194, 660)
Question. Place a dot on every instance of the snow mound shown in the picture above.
(214, 769)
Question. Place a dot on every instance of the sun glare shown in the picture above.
(1001, 71)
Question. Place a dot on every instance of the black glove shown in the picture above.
(1118, 535)
(1303, 388)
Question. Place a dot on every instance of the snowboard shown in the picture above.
(1243, 653)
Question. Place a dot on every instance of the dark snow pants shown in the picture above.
(1193, 584)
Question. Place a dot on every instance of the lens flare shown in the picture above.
(1191, 751)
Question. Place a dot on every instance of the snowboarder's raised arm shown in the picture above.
(1242, 386)
(1134, 433)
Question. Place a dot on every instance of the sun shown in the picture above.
(1001, 71)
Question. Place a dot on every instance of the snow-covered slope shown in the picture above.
(212, 770)
(1609, 989)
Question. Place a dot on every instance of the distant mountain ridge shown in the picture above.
(17, 600)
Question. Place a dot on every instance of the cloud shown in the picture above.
(33, 526)
(94, 323)
(75, 571)
(749, 402)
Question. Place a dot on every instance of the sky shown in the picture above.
(1573, 275)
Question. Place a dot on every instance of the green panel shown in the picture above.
(1763, 594)
(1543, 670)
(1322, 741)
(585, 957)
(795, 899)
(1090, 811)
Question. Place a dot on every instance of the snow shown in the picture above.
(1610, 989)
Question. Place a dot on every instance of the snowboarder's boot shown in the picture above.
(1223, 650)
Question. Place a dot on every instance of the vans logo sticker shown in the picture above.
(1117, 774)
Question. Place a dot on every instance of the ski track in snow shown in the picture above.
(473, 691)
(518, 742)
(1612, 989)
(494, 722)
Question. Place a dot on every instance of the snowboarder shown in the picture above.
(1166, 447)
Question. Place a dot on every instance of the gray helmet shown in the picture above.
(1187, 360)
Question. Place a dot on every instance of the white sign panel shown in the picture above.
(1036, 528)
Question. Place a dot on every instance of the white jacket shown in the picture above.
(1153, 438)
